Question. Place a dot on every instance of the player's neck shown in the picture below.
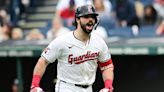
(82, 36)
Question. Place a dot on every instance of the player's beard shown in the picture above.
(84, 26)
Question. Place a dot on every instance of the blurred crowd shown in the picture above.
(11, 11)
(112, 14)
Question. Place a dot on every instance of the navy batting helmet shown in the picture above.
(85, 10)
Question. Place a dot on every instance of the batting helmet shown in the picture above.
(85, 10)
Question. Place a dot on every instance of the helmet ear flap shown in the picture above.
(96, 20)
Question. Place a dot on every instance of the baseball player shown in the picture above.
(79, 53)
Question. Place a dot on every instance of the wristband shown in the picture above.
(108, 83)
(35, 81)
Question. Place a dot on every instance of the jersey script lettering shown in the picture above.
(83, 58)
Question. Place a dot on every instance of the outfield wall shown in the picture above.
(133, 73)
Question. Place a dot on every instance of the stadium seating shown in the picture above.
(39, 16)
(147, 31)
(108, 23)
(121, 32)
(146, 2)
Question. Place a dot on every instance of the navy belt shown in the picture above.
(78, 85)
(82, 86)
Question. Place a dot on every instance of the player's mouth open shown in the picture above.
(89, 26)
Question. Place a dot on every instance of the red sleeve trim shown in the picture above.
(102, 64)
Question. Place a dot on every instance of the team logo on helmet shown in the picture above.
(90, 9)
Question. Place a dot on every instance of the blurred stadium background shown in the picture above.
(133, 30)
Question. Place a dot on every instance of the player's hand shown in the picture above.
(36, 89)
(108, 86)
(106, 90)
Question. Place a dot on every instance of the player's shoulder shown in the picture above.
(98, 40)
(96, 37)
(63, 38)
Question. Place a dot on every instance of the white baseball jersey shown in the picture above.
(77, 61)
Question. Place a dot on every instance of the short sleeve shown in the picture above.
(52, 51)
(104, 53)
(105, 60)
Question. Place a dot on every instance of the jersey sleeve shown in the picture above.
(105, 60)
(52, 51)
(104, 53)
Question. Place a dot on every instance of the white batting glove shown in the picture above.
(104, 90)
(36, 89)
(108, 86)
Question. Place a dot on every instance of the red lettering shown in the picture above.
(83, 58)
(70, 60)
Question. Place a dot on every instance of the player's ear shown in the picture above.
(77, 19)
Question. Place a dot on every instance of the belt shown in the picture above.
(78, 85)
(82, 86)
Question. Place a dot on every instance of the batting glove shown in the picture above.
(35, 84)
(106, 90)
(36, 89)
(108, 86)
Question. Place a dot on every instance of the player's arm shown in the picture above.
(106, 67)
(37, 73)
(49, 55)
(107, 74)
